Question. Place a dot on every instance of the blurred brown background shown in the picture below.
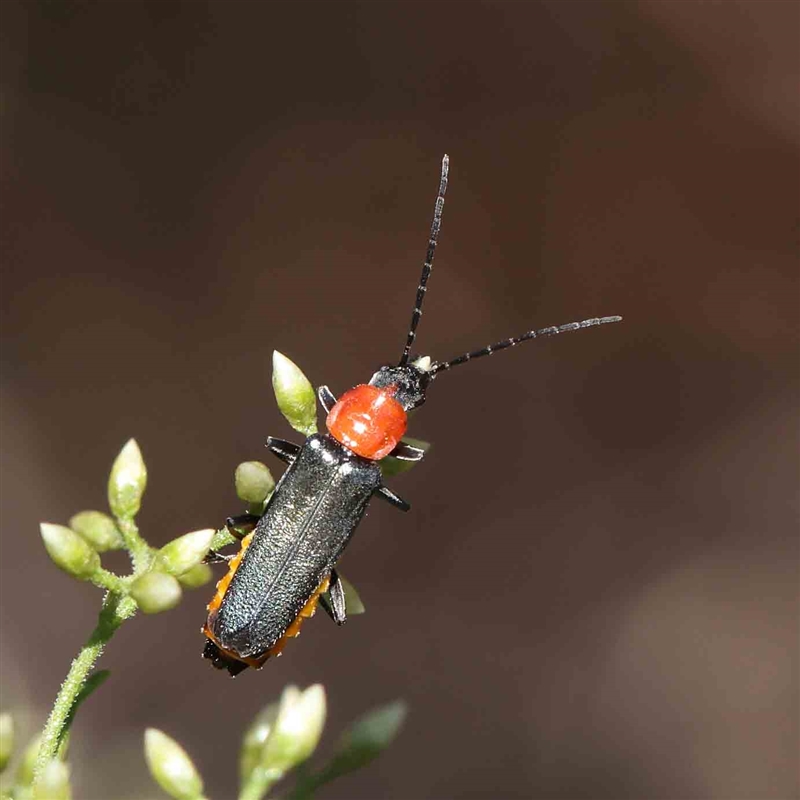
(604, 605)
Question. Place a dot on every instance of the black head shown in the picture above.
(411, 381)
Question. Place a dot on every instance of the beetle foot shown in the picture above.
(222, 661)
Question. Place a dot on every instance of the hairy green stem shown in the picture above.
(115, 610)
(141, 552)
(108, 580)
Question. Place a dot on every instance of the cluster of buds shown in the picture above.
(282, 736)
(159, 575)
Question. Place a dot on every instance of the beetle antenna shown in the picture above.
(427, 266)
(493, 348)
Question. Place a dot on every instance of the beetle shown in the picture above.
(286, 565)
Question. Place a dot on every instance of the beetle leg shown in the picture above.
(238, 527)
(407, 452)
(213, 557)
(285, 451)
(333, 600)
(390, 497)
(245, 521)
(326, 398)
(222, 661)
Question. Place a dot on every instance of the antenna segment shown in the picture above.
(514, 340)
(427, 266)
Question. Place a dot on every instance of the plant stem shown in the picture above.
(115, 610)
(141, 553)
(108, 580)
(259, 783)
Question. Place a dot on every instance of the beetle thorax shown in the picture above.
(368, 420)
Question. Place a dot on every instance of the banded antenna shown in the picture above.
(428, 265)
(514, 340)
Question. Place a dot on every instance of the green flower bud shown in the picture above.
(254, 482)
(295, 394)
(53, 783)
(6, 739)
(127, 481)
(69, 551)
(196, 577)
(98, 529)
(301, 718)
(254, 740)
(185, 552)
(171, 767)
(155, 592)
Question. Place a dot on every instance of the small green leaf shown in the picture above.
(69, 552)
(187, 551)
(155, 592)
(295, 394)
(395, 466)
(196, 577)
(127, 481)
(254, 482)
(98, 529)
(171, 766)
(365, 740)
(6, 739)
